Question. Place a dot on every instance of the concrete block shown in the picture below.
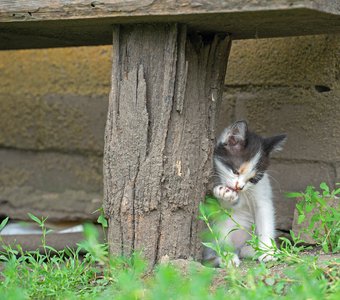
(79, 71)
(67, 206)
(311, 119)
(226, 112)
(54, 98)
(53, 172)
(294, 61)
(53, 122)
(289, 176)
(60, 186)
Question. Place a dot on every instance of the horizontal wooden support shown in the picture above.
(60, 23)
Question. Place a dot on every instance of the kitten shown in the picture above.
(241, 159)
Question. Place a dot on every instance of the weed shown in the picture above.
(66, 274)
(211, 211)
(102, 221)
(324, 224)
(4, 223)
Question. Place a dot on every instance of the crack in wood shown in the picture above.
(161, 137)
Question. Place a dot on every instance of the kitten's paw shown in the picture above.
(268, 251)
(233, 262)
(225, 194)
(210, 258)
(267, 257)
(247, 251)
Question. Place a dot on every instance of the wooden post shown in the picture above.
(166, 85)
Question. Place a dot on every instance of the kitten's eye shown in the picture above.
(256, 178)
(235, 172)
(252, 180)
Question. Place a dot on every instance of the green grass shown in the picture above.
(90, 273)
(51, 274)
(67, 276)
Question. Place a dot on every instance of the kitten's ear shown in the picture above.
(235, 135)
(274, 143)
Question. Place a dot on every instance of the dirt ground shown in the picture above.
(276, 268)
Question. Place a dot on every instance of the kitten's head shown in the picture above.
(241, 157)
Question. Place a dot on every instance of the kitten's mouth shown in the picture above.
(233, 189)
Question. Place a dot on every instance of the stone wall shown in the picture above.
(290, 85)
(53, 109)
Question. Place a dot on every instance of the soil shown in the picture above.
(276, 268)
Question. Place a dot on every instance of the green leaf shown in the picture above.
(309, 207)
(301, 218)
(3, 258)
(35, 219)
(325, 188)
(325, 247)
(336, 192)
(294, 195)
(4, 223)
(281, 238)
(315, 218)
(210, 246)
(201, 209)
(90, 232)
(103, 221)
(316, 233)
(322, 201)
(51, 249)
(300, 208)
(48, 231)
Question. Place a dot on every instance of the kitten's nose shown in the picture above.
(238, 187)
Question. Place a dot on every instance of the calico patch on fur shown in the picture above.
(241, 159)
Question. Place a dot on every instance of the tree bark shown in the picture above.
(166, 86)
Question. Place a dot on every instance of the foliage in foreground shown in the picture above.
(69, 274)
(65, 275)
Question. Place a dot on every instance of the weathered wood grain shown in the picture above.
(59, 23)
(159, 137)
(18, 10)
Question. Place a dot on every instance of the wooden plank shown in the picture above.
(18, 10)
(58, 23)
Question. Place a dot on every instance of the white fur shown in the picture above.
(232, 180)
(252, 205)
(238, 130)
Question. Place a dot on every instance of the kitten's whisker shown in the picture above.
(250, 189)
(276, 181)
(250, 203)
(273, 171)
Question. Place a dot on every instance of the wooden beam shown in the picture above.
(60, 23)
(33, 10)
